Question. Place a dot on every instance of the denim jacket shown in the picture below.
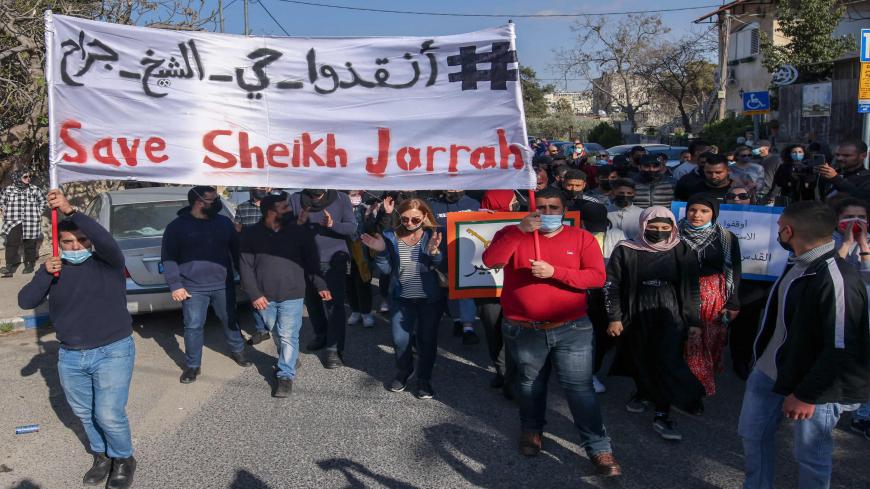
(388, 263)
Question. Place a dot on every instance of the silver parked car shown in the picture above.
(136, 218)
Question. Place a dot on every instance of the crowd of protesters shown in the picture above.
(661, 297)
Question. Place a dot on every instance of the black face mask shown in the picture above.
(453, 197)
(786, 246)
(651, 176)
(214, 209)
(574, 194)
(623, 200)
(656, 236)
(316, 193)
(259, 194)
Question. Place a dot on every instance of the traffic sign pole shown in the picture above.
(867, 138)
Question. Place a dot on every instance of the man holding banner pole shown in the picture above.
(553, 334)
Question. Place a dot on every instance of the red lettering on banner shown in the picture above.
(379, 167)
(152, 146)
(430, 156)
(127, 152)
(332, 153)
(488, 155)
(103, 152)
(454, 157)
(209, 145)
(404, 162)
(296, 152)
(277, 151)
(505, 151)
(81, 155)
(309, 151)
(245, 152)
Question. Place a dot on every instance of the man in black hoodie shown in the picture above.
(329, 215)
(812, 352)
(88, 308)
(200, 249)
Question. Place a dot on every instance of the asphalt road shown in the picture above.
(342, 429)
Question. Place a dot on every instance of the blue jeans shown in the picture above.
(863, 411)
(195, 310)
(570, 350)
(96, 383)
(284, 320)
(760, 417)
(462, 310)
(417, 318)
(259, 325)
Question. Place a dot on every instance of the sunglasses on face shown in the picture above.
(740, 196)
(412, 220)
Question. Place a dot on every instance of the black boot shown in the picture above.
(122, 473)
(239, 358)
(189, 375)
(7, 271)
(96, 475)
(28, 268)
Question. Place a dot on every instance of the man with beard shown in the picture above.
(329, 215)
(653, 186)
(716, 180)
(200, 251)
(21, 207)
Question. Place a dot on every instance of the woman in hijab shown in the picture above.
(718, 252)
(651, 297)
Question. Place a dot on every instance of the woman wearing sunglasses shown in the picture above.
(408, 254)
(719, 261)
(738, 195)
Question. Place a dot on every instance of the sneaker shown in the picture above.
(332, 360)
(860, 426)
(385, 307)
(424, 390)
(284, 388)
(398, 384)
(354, 318)
(530, 443)
(470, 338)
(259, 337)
(637, 405)
(667, 429)
(99, 472)
(606, 465)
(599, 387)
(368, 321)
(457, 328)
(189, 375)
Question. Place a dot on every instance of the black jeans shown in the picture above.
(328, 318)
(490, 314)
(359, 293)
(15, 242)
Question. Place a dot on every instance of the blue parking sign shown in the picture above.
(756, 102)
(865, 45)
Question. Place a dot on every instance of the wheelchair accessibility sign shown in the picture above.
(755, 103)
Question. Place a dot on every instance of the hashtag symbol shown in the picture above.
(498, 73)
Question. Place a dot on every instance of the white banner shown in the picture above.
(381, 113)
(755, 226)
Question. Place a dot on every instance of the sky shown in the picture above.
(537, 38)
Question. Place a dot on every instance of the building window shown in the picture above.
(744, 43)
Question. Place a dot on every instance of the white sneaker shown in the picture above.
(599, 387)
(385, 307)
(368, 321)
(354, 318)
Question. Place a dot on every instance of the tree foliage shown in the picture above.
(23, 99)
(809, 26)
(724, 132)
(613, 58)
(605, 135)
(533, 93)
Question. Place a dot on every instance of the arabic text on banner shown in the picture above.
(385, 113)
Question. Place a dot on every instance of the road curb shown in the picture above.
(20, 323)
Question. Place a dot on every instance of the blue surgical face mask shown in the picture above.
(756, 151)
(76, 257)
(699, 228)
(550, 223)
(797, 156)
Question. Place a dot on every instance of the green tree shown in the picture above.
(605, 135)
(809, 27)
(724, 132)
(533, 93)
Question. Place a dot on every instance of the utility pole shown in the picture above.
(221, 13)
(246, 18)
(724, 33)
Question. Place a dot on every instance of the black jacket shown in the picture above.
(826, 354)
(649, 193)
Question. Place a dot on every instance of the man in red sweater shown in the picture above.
(545, 322)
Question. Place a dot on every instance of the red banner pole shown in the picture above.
(532, 208)
(54, 243)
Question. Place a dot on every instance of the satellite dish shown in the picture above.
(785, 75)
